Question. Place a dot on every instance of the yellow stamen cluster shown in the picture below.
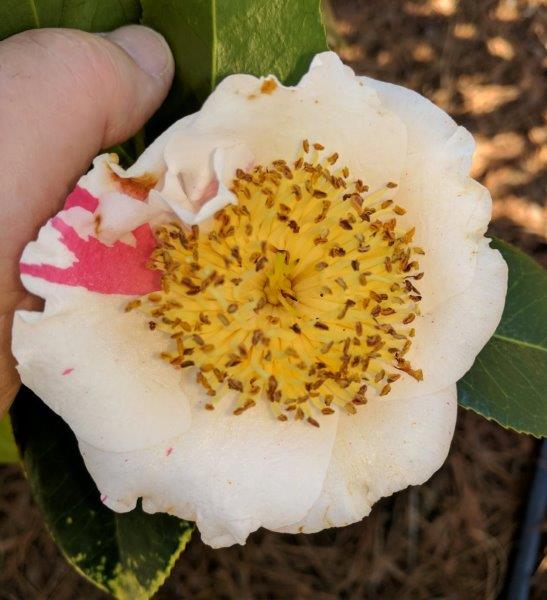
(301, 295)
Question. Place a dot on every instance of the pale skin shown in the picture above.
(64, 96)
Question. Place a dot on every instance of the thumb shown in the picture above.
(66, 90)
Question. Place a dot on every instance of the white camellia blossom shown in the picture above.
(261, 322)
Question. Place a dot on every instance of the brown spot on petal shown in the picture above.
(136, 187)
(268, 86)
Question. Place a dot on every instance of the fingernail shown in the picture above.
(145, 46)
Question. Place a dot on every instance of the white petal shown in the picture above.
(388, 445)
(98, 368)
(449, 209)
(428, 125)
(121, 214)
(450, 336)
(230, 474)
(330, 106)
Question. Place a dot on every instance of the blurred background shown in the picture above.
(483, 61)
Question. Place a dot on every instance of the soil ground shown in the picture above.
(454, 536)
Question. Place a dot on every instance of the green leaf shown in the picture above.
(128, 555)
(89, 15)
(211, 39)
(8, 449)
(508, 382)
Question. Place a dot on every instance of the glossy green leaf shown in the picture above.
(508, 382)
(128, 555)
(8, 449)
(211, 39)
(89, 15)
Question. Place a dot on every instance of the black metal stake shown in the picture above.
(530, 535)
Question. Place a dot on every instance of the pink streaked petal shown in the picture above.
(81, 197)
(116, 269)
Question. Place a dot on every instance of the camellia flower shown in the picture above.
(262, 321)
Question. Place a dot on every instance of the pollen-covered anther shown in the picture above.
(302, 295)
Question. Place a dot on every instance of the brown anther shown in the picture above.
(341, 283)
(235, 384)
(261, 263)
(326, 347)
(337, 251)
(347, 305)
(296, 191)
(376, 310)
(345, 224)
(293, 225)
(350, 408)
(223, 319)
(257, 337)
(132, 305)
(198, 339)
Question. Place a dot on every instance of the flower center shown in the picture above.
(301, 295)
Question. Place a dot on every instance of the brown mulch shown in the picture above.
(452, 537)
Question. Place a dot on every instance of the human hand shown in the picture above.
(64, 95)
